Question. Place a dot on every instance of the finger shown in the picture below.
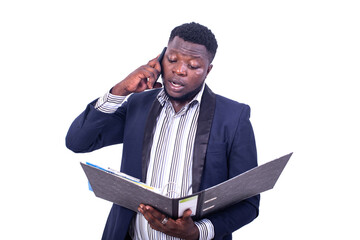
(154, 75)
(187, 214)
(158, 66)
(141, 207)
(154, 218)
(150, 75)
(155, 213)
(149, 213)
(154, 63)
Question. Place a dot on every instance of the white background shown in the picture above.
(296, 63)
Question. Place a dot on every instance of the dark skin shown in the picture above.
(183, 227)
(185, 67)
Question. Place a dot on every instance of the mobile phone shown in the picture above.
(160, 58)
(162, 55)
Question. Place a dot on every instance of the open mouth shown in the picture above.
(175, 84)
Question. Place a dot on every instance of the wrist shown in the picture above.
(119, 91)
(206, 229)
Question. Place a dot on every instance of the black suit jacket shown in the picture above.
(224, 147)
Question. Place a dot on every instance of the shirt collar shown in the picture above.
(163, 98)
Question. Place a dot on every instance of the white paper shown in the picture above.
(188, 203)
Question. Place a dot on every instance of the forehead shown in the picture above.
(189, 49)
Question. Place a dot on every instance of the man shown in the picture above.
(181, 138)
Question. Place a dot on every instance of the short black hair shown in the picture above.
(196, 33)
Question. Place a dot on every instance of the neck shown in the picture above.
(177, 105)
(180, 102)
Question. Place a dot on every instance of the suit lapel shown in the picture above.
(206, 116)
(148, 136)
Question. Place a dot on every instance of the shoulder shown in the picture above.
(223, 103)
(222, 108)
(229, 102)
(229, 107)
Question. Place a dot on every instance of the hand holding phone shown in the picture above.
(160, 58)
(143, 78)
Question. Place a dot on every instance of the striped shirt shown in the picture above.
(170, 165)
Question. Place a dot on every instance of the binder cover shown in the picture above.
(130, 194)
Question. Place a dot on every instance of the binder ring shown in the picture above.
(168, 193)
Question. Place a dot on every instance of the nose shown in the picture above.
(180, 69)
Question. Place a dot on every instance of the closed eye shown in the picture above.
(171, 60)
(193, 67)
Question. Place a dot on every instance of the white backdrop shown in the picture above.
(294, 62)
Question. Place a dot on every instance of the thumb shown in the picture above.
(187, 214)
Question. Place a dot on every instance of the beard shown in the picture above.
(186, 97)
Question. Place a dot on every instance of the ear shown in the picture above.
(209, 69)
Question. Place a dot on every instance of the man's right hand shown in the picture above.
(139, 80)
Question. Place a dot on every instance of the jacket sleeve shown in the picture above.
(241, 157)
(93, 129)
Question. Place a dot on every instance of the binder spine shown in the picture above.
(175, 208)
(199, 207)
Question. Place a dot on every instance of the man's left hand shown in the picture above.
(183, 227)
